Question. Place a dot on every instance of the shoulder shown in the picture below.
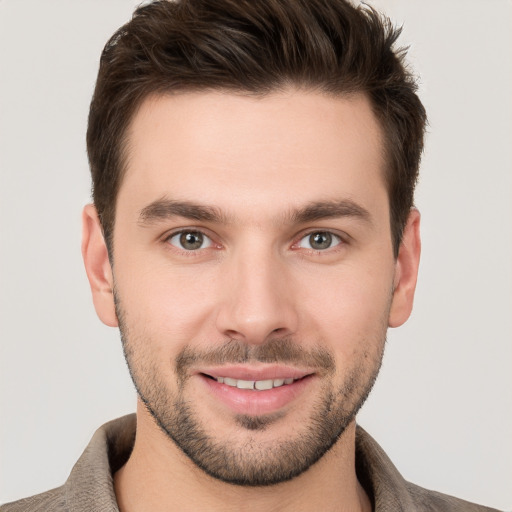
(49, 501)
(433, 501)
(89, 486)
(390, 491)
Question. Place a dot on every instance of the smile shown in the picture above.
(256, 392)
(257, 385)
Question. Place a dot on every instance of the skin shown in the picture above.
(256, 161)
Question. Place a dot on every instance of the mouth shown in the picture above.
(256, 392)
(254, 385)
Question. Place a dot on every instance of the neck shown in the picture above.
(159, 477)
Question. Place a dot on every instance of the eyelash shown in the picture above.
(189, 252)
(341, 241)
(333, 238)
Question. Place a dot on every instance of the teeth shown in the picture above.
(245, 384)
(260, 385)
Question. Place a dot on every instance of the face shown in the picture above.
(253, 274)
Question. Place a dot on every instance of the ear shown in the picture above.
(406, 271)
(97, 266)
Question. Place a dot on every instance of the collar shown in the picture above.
(90, 485)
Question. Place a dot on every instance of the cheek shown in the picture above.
(350, 307)
(167, 303)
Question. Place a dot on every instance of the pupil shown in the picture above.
(320, 240)
(191, 240)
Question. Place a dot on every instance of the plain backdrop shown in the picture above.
(442, 407)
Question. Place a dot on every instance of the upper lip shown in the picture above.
(255, 373)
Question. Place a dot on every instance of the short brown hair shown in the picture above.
(255, 46)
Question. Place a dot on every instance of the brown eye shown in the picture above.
(320, 241)
(190, 240)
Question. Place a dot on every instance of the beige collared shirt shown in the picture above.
(90, 483)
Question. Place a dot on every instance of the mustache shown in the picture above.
(276, 350)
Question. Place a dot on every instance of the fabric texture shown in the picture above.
(90, 483)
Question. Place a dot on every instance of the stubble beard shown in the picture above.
(252, 462)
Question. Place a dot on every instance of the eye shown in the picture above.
(190, 240)
(319, 241)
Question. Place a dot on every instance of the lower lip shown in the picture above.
(256, 403)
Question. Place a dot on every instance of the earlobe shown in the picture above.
(97, 266)
(406, 271)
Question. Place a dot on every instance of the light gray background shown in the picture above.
(442, 407)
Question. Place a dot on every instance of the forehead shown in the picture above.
(233, 150)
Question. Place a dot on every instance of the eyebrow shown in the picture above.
(318, 210)
(163, 209)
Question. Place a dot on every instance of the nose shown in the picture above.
(257, 298)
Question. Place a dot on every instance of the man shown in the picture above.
(253, 237)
